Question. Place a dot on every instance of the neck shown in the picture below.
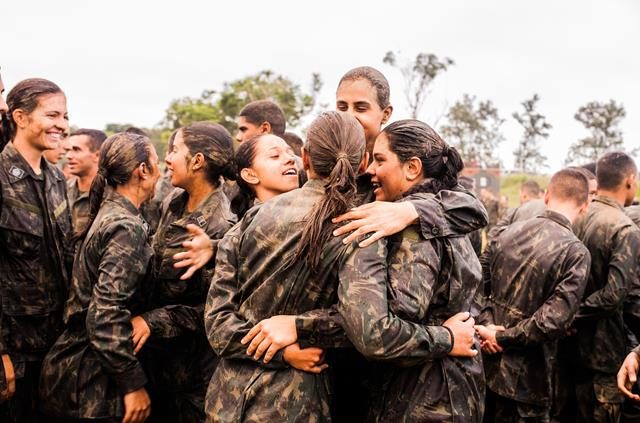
(263, 194)
(131, 191)
(32, 155)
(619, 196)
(197, 193)
(84, 181)
(568, 210)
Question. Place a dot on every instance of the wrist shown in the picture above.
(451, 338)
(410, 213)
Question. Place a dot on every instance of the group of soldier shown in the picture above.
(350, 277)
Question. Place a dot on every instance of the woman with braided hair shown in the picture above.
(177, 356)
(91, 372)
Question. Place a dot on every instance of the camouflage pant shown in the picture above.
(504, 410)
(22, 407)
(598, 398)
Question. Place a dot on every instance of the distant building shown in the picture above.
(485, 178)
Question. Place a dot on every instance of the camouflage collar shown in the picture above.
(314, 184)
(203, 211)
(608, 201)
(114, 196)
(17, 167)
(559, 218)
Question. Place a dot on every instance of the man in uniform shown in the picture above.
(534, 274)
(83, 153)
(613, 241)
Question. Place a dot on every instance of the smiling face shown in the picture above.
(359, 98)
(274, 170)
(45, 127)
(390, 177)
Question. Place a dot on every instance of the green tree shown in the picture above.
(602, 120)
(418, 75)
(223, 107)
(474, 130)
(528, 157)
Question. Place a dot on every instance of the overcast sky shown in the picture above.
(124, 61)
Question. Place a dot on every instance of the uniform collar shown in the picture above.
(559, 218)
(17, 167)
(114, 196)
(608, 201)
(315, 185)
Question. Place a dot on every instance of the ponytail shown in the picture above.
(335, 146)
(120, 154)
(340, 190)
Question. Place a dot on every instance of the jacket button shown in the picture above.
(435, 230)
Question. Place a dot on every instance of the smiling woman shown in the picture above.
(34, 256)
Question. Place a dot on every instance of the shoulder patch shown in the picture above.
(16, 172)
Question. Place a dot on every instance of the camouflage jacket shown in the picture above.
(634, 213)
(632, 302)
(534, 275)
(613, 241)
(393, 298)
(449, 212)
(35, 258)
(79, 202)
(250, 284)
(106, 293)
(526, 211)
(178, 354)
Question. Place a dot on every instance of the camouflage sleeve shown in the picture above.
(449, 213)
(374, 331)
(504, 221)
(321, 328)
(555, 316)
(175, 320)
(622, 269)
(485, 316)
(123, 264)
(224, 325)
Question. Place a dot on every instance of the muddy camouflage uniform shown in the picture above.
(394, 295)
(613, 241)
(534, 275)
(528, 210)
(91, 366)
(249, 285)
(79, 203)
(177, 356)
(35, 263)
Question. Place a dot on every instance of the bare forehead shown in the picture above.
(55, 101)
(80, 140)
(358, 90)
(270, 141)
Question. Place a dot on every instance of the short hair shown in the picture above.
(612, 168)
(137, 131)
(531, 187)
(96, 137)
(293, 141)
(569, 185)
(375, 78)
(258, 112)
(591, 167)
(585, 171)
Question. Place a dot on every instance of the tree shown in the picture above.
(418, 76)
(528, 157)
(186, 110)
(474, 130)
(602, 120)
(223, 107)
